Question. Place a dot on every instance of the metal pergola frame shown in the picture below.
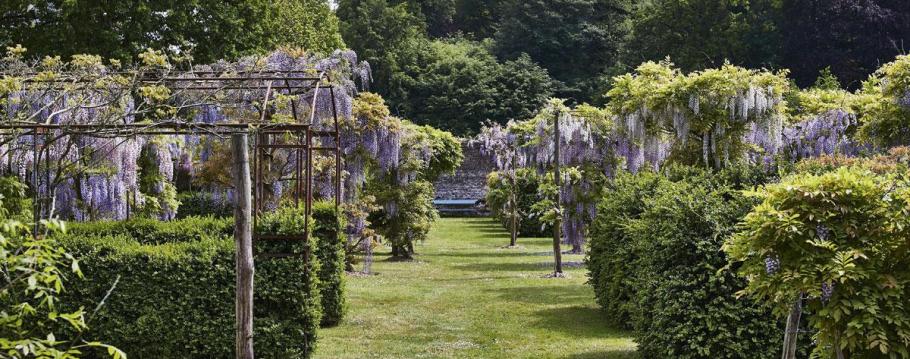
(263, 130)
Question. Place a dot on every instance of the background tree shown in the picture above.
(458, 85)
(388, 37)
(575, 40)
(698, 34)
(212, 29)
(853, 37)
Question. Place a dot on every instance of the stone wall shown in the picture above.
(470, 179)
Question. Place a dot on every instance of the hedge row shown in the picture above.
(657, 267)
(153, 231)
(175, 293)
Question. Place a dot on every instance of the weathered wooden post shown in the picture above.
(792, 330)
(513, 198)
(557, 231)
(243, 239)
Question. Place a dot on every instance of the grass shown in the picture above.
(467, 297)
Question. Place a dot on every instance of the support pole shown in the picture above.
(790, 335)
(513, 197)
(557, 224)
(243, 239)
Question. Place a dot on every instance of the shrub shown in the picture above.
(656, 263)
(174, 296)
(841, 239)
(152, 231)
(202, 204)
(330, 250)
(612, 252)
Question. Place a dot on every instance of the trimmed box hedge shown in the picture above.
(174, 293)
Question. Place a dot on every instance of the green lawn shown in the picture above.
(466, 297)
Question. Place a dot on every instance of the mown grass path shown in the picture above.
(467, 297)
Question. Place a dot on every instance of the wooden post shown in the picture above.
(557, 231)
(792, 330)
(243, 239)
(514, 199)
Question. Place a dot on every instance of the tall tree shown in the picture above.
(575, 40)
(212, 29)
(699, 34)
(458, 85)
(388, 36)
(853, 37)
(478, 19)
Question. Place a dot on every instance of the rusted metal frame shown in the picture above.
(308, 192)
(36, 206)
(337, 154)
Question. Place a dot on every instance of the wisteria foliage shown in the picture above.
(88, 176)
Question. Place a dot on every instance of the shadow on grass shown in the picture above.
(551, 294)
(576, 321)
(529, 267)
(612, 354)
(497, 253)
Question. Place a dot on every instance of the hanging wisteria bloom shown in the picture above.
(825, 134)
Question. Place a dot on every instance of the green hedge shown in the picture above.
(193, 204)
(176, 300)
(175, 295)
(153, 231)
(330, 251)
(655, 262)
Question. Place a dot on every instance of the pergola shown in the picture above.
(248, 178)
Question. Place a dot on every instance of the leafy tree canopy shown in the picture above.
(210, 30)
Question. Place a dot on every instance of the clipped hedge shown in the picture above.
(330, 242)
(175, 294)
(656, 262)
(153, 231)
(176, 300)
(201, 204)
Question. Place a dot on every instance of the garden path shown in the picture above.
(467, 297)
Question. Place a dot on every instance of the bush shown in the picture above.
(202, 204)
(152, 231)
(330, 250)
(612, 252)
(656, 263)
(840, 238)
(175, 294)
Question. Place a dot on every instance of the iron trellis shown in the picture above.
(266, 134)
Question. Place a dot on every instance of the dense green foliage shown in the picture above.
(884, 104)
(173, 283)
(35, 269)
(499, 189)
(840, 239)
(330, 242)
(699, 34)
(208, 30)
(457, 85)
(656, 263)
(575, 40)
(153, 232)
(201, 204)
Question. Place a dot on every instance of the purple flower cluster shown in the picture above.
(827, 291)
(826, 134)
(772, 265)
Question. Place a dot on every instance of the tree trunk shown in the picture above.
(790, 335)
(557, 236)
(243, 239)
